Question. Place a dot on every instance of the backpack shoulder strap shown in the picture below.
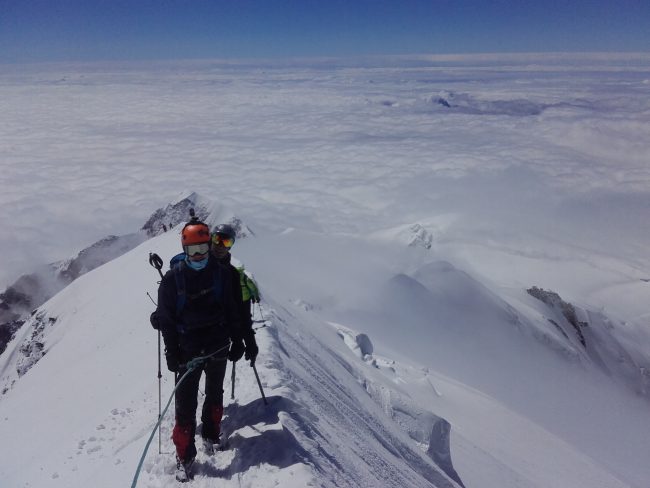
(176, 259)
(180, 286)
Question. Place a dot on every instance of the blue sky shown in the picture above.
(45, 30)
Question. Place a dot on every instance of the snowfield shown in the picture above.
(339, 413)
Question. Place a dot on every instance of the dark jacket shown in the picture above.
(244, 305)
(208, 319)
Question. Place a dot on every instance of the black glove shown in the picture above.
(153, 318)
(173, 361)
(251, 347)
(236, 350)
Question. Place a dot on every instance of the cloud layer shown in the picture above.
(541, 145)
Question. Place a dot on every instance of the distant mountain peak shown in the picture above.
(207, 210)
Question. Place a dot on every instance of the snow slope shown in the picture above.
(345, 409)
(31, 290)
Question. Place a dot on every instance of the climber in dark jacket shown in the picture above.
(223, 238)
(198, 315)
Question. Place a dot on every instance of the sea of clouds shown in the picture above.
(513, 149)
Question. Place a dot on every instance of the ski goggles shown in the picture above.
(194, 249)
(222, 240)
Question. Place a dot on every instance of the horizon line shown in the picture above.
(469, 56)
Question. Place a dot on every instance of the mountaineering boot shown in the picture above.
(211, 428)
(183, 437)
(183, 470)
(210, 446)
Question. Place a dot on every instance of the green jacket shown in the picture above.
(249, 290)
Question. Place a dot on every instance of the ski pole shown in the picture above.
(259, 383)
(156, 262)
(159, 398)
(232, 379)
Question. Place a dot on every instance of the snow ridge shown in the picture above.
(34, 289)
(340, 414)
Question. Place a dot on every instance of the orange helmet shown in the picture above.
(195, 233)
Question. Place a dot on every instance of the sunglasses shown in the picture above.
(194, 249)
(223, 240)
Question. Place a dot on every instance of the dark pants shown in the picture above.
(187, 402)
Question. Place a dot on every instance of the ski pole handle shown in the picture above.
(156, 261)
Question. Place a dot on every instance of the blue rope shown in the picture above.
(190, 366)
